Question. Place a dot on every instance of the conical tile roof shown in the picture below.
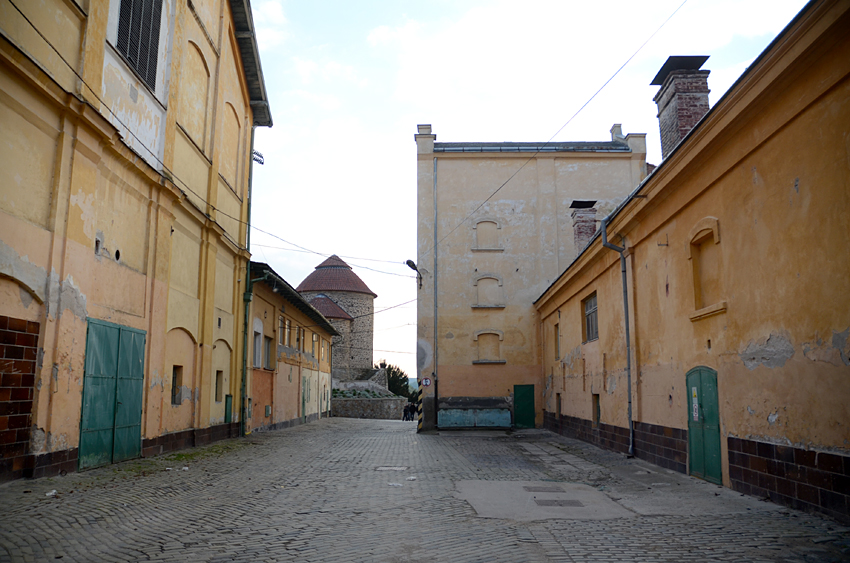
(334, 275)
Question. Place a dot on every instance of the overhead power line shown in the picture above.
(533, 156)
(175, 177)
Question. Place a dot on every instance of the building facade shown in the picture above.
(484, 258)
(733, 365)
(124, 197)
(289, 355)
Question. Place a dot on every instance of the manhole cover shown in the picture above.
(544, 489)
(557, 502)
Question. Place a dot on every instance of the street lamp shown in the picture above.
(412, 265)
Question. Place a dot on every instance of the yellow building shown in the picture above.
(290, 355)
(736, 347)
(483, 264)
(124, 180)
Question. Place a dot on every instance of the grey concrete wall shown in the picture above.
(391, 409)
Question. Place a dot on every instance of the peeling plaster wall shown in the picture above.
(776, 182)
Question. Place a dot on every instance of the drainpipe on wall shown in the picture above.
(436, 242)
(247, 297)
(622, 251)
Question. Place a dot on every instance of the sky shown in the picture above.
(348, 82)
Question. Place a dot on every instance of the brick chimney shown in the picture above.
(584, 226)
(682, 99)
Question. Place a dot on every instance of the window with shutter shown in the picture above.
(138, 36)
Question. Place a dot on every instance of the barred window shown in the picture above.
(591, 323)
(138, 36)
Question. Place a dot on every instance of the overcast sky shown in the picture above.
(349, 81)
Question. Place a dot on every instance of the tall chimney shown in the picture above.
(682, 99)
(584, 225)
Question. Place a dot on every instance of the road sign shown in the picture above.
(426, 382)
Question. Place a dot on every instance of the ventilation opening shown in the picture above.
(97, 246)
(117, 255)
(176, 384)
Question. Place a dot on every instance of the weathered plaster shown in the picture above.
(771, 352)
(29, 276)
(64, 296)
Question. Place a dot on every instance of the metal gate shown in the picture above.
(524, 406)
(703, 425)
(111, 421)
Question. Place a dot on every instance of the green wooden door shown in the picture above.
(110, 424)
(703, 425)
(524, 406)
(127, 443)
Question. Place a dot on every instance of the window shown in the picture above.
(280, 331)
(138, 36)
(268, 358)
(558, 405)
(590, 330)
(176, 384)
(315, 344)
(258, 349)
(557, 347)
(324, 349)
(287, 341)
(298, 338)
(219, 385)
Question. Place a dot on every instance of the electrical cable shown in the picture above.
(533, 156)
(165, 168)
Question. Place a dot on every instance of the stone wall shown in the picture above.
(353, 350)
(388, 409)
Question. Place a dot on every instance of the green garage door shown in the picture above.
(111, 422)
(703, 425)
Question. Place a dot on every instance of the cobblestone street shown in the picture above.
(364, 490)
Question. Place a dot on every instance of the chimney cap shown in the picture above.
(582, 204)
(678, 63)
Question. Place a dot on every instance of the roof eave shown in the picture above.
(289, 293)
(246, 39)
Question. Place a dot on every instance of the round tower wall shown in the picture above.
(352, 350)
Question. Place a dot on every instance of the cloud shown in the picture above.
(270, 23)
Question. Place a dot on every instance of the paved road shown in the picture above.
(358, 490)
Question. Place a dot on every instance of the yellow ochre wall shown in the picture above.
(528, 241)
(296, 374)
(143, 174)
(766, 179)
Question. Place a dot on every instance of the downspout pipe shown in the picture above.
(436, 244)
(622, 251)
(247, 297)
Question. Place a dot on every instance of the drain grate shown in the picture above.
(558, 502)
(543, 489)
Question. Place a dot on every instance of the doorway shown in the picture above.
(703, 425)
(113, 388)
(524, 406)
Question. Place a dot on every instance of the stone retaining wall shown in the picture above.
(389, 408)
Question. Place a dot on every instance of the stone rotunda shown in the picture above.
(348, 303)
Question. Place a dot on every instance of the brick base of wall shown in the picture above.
(802, 479)
(290, 423)
(188, 439)
(661, 445)
(18, 359)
